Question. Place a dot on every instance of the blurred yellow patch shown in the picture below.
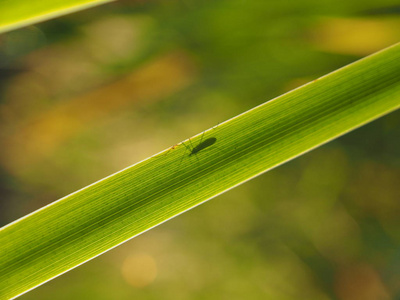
(115, 38)
(355, 36)
(139, 270)
(37, 138)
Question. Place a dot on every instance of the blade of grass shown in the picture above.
(97, 218)
(20, 13)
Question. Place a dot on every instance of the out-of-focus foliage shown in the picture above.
(322, 227)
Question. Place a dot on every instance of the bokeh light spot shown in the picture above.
(139, 270)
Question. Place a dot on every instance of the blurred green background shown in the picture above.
(88, 94)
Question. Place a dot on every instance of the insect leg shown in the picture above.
(184, 153)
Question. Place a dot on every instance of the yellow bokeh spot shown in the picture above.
(355, 36)
(139, 270)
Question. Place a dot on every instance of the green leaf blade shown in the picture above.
(103, 215)
(19, 13)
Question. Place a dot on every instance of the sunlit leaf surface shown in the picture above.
(90, 221)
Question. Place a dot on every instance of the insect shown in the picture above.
(193, 150)
(202, 145)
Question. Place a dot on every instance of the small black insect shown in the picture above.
(193, 150)
(202, 145)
